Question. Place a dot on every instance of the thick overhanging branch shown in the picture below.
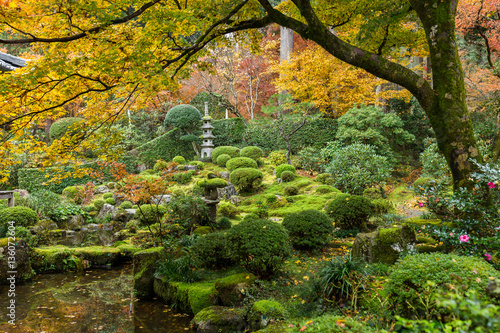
(35, 39)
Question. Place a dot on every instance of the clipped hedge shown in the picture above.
(165, 147)
(222, 160)
(284, 167)
(255, 153)
(246, 178)
(240, 162)
(20, 215)
(229, 132)
(231, 151)
(308, 229)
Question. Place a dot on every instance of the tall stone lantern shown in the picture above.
(207, 146)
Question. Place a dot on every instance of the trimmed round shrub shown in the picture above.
(150, 214)
(212, 250)
(98, 203)
(126, 205)
(179, 160)
(61, 127)
(408, 280)
(227, 209)
(308, 229)
(182, 177)
(382, 206)
(107, 195)
(160, 165)
(183, 116)
(277, 157)
(223, 223)
(325, 178)
(222, 160)
(246, 178)
(287, 176)
(231, 151)
(284, 167)
(253, 152)
(350, 211)
(20, 215)
(240, 162)
(290, 190)
(260, 245)
(326, 189)
(110, 201)
(74, 193)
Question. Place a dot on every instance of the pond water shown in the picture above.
(98, 300)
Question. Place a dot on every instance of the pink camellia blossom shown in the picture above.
(491, 185)
(420, 204)
(451, 234)
(464, 238)
(488, 256)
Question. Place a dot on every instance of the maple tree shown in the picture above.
(116, 55)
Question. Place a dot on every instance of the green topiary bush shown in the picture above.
(160, 165)
(74, 193)
(246, 178)
(107, 195)
(226, 208)
(223, 223)
(126, 205)
(150, 214)
(423, 182)
(350, 211)
(212, 250)
(199, 164)
(287, 176)
(408, 287)
(308, 229)
(240, 162)
(183, 116)
(326, 189)
(290, 190)
(61, 127)
(325, 178)
(260, 245)
(182, 177)
(277, 157)
(179, 160)
(231, 151)
(110, 201)
(253, 152)
(222, 160)
(98, 203)
(21, 216)
(284, 167)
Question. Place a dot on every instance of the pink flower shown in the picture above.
(491, 185)
(464, 238)
(420, 204)
(488, 256)
(451, 234)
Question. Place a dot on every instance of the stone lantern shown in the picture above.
(207, 146)
(211, 196)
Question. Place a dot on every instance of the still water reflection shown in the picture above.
(95, 301)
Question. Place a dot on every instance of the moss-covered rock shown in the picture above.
(188, 297)
(384, 244)
(19, 250)
(98, 255)
(231, 289)
(144, 267)
(262, 312)
(202, 230)
(217, 319)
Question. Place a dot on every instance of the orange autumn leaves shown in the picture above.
(333, 86)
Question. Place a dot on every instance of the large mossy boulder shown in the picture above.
(144, 268)
(384, 245)
(19, 250)
(231, 288)
(217, 319)
(263, 312)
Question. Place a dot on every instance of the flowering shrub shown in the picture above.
(470, 218)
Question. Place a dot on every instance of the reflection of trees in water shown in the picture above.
(98, 301)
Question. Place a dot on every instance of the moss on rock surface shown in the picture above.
(384, 245)
(217, 319)
(263, 311)
(20, 251)
(144, 267)
(229, 288)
